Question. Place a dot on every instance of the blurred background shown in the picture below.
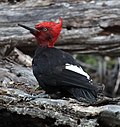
(91, 33)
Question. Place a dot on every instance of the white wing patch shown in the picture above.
(76, 69)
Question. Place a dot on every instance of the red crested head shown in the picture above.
(46, 33)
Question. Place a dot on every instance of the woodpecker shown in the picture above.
(56, 71)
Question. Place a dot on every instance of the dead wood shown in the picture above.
(14, 75)
(21, 58)
(89, 26)
(58, 112)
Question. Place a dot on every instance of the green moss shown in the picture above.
(111, 63)
(88, 59)
(92, 60)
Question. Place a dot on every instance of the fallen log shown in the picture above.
(89, 27)
(50, 112)
(15, 75)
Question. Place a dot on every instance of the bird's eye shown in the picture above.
(45, 29)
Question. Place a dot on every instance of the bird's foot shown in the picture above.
(33, 97)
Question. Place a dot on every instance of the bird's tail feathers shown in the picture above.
(84, 95)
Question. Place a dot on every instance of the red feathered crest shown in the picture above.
(48, 32)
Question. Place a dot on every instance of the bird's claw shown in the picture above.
(33, 97)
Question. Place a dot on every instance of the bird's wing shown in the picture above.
(71, 76)
(78, 83)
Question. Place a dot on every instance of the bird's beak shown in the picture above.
(32, 30)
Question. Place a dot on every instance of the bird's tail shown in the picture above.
(84, 95)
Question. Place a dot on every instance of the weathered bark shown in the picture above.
(89, 26)
(14, 75)
(52, 113)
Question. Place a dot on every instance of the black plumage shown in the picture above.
(49, 68)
